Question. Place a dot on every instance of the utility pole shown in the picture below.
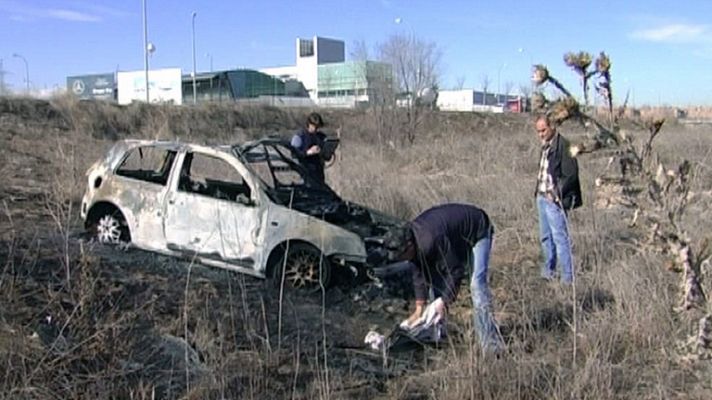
(210, 56)
(145, 49)
(27, 71)
(499, 73)
(195, 87)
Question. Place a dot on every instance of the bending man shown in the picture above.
(439, 243)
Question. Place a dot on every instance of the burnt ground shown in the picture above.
(120, 307)
(79, 319)
(127, 318)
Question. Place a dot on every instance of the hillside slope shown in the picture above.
(80, 320)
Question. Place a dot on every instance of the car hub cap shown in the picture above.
(108, 230)
(302, 269)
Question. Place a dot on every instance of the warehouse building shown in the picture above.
(473, 100)
(239, 84)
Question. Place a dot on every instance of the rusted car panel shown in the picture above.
(234, 207)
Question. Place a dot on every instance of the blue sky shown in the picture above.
(661, 50)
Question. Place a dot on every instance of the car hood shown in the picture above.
(369, 224)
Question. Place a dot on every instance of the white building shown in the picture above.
(328, 78)
(473, 100)
(309, 54)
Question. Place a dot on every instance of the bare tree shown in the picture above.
(459, 82)
(416, 63)
(485, 80)
(3, 86)
(525, 90)
(359, 51)
(656, 196)
(508, 88)
(416, 67)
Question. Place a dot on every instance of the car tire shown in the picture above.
(111, 228)
(305, 268)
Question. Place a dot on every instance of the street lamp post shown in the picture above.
(27, 71)
(210, 57)
(523, 50)
(145, 49)
(195, 97)
(499, 73)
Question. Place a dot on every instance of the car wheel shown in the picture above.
(111, 228)
(305, 268)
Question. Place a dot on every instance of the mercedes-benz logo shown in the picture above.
(78, 87)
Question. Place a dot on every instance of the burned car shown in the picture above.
(251, 208)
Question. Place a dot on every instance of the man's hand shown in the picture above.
(414, 316)
(313, 150)
(432, 314)
(552, 197)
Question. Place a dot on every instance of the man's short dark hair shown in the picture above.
(315, 119)
(397, 238)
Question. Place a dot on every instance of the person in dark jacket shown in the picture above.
(441, 243)
(308, 142)
(557, 191)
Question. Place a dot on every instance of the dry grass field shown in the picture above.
(80, 320)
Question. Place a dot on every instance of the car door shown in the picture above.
(143, 177)
(211, 211)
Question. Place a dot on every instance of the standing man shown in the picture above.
(308, 143)
(440, 243)
(557, 191)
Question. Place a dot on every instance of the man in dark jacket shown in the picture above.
(440, 243)
(308, 143)
(557, 191)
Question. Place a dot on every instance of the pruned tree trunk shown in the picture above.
(658, 197)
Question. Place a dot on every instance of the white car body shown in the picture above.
(237, 226)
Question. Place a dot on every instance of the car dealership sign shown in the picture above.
(92, 87)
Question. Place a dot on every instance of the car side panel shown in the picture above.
(208, 226)
(218, 229)
(285, 224)
(142, 206)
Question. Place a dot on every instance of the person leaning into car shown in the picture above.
(557, 191)
(308, 143)
(440, 244)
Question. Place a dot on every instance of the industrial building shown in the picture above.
(239, 84)
(330, 80)
(321, 76)
(473, 100)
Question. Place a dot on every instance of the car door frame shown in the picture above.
(145, 209)
(208, 247)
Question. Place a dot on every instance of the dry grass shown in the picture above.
(127, 325)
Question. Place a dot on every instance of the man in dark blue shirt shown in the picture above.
(440, 243)
(308, 143)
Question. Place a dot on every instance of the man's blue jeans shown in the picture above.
(555, 241)
(483, 320)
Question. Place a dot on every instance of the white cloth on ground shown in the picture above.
(375, 340)
(431, 325)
